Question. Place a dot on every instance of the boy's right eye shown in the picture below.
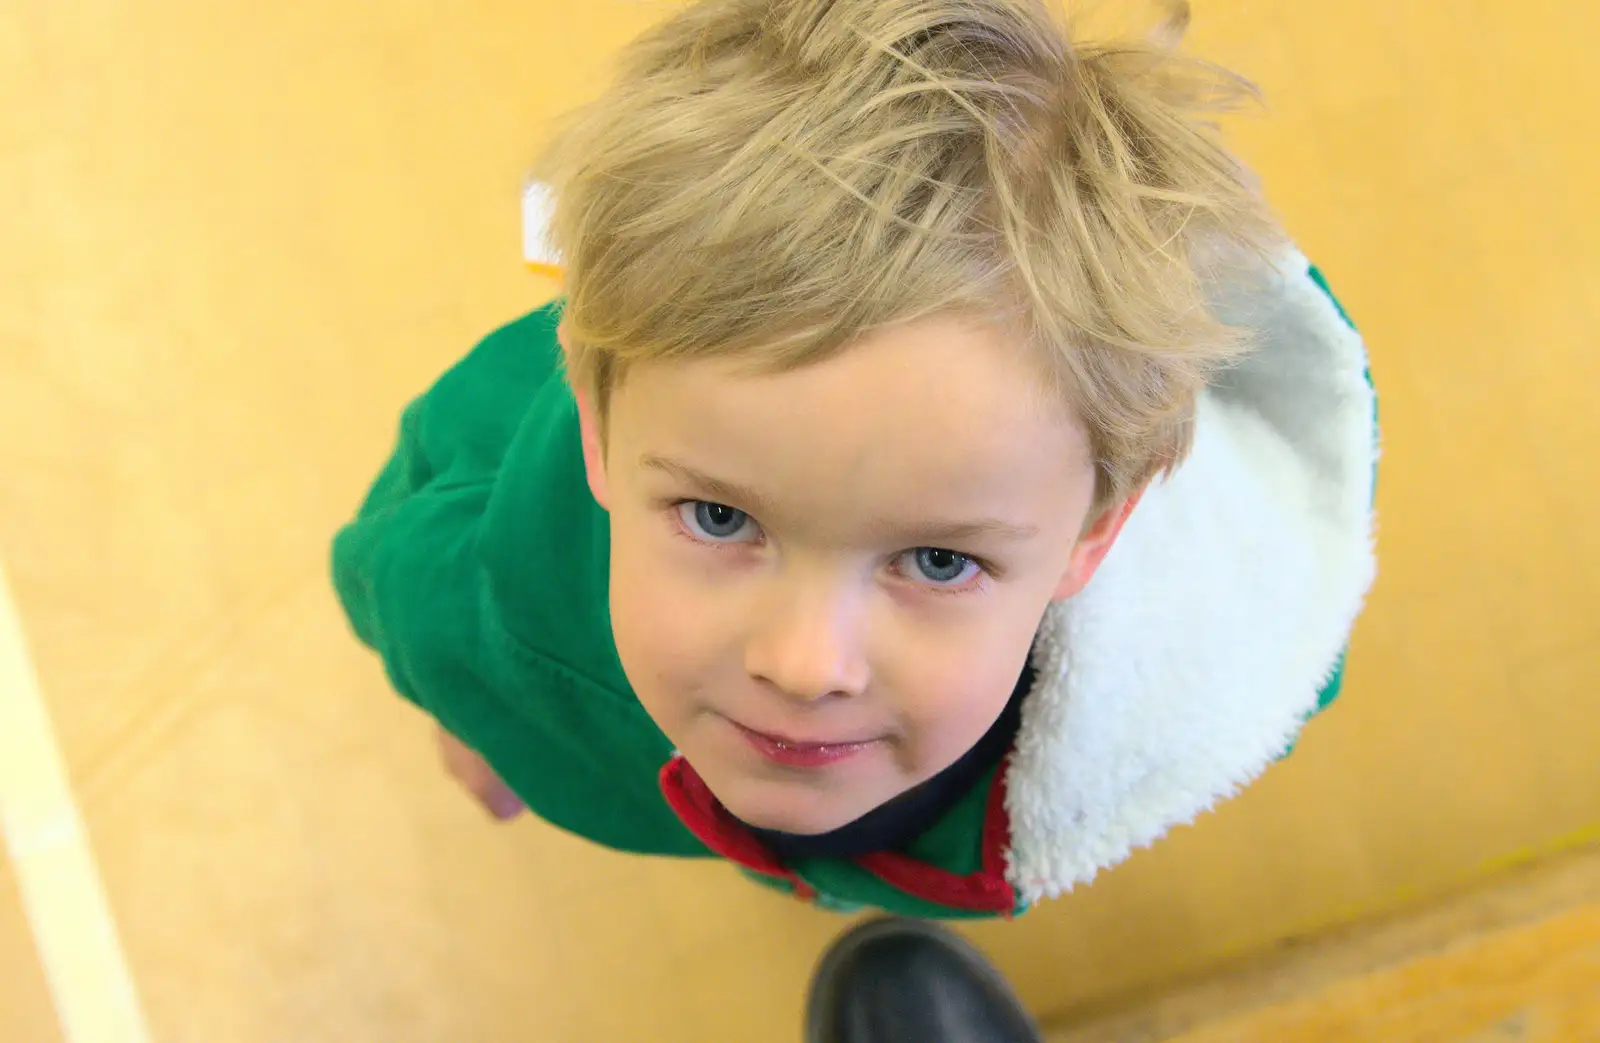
(714, 522)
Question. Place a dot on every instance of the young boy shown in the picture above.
(887, 326)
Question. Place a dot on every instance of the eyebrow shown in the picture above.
(745, 498)
(721, 491)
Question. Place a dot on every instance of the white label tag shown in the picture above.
(536, 206)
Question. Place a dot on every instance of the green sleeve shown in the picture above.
(403, 568)
(355, 548)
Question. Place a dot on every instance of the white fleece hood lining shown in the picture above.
(1191, 661)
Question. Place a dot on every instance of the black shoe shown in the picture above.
(889, 981)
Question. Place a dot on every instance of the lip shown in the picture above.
(795, 753)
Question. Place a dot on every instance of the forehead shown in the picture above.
(939, 415)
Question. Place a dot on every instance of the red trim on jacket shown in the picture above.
(983, 891)
(693, 802)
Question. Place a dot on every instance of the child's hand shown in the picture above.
(473, 772)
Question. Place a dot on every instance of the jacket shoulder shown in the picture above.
(466, 421)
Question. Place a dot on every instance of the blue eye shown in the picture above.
(942, 567)
(712, 522)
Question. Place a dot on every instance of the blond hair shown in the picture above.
(770, 180)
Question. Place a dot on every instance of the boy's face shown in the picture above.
(824, 583)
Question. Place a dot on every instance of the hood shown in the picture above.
(1191, 661)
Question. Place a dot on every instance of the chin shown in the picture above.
(779, 808)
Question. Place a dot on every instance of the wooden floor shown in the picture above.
(1515, 959)
(25, 1011)
(1539, 984)
(237, 236)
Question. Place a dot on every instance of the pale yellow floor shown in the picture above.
(1514, 958)
(1535, 984)
(25, 1009)
(237, 236)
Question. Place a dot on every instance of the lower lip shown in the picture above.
(802, 755)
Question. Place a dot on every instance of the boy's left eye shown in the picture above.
(942, 568)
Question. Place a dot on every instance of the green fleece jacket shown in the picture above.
(477, 569)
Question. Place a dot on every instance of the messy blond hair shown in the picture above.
(770, 180)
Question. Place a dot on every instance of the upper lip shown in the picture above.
(787, 740)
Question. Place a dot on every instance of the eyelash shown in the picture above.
(973, 585)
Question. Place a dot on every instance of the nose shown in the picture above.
(808, 643)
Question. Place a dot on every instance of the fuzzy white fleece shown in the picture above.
(1193, 658)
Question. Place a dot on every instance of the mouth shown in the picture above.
(797, 753)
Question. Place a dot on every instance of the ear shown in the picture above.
(1093, 546)
(594, 462)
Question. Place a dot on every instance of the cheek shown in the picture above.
(948, 699)
(665, 634)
